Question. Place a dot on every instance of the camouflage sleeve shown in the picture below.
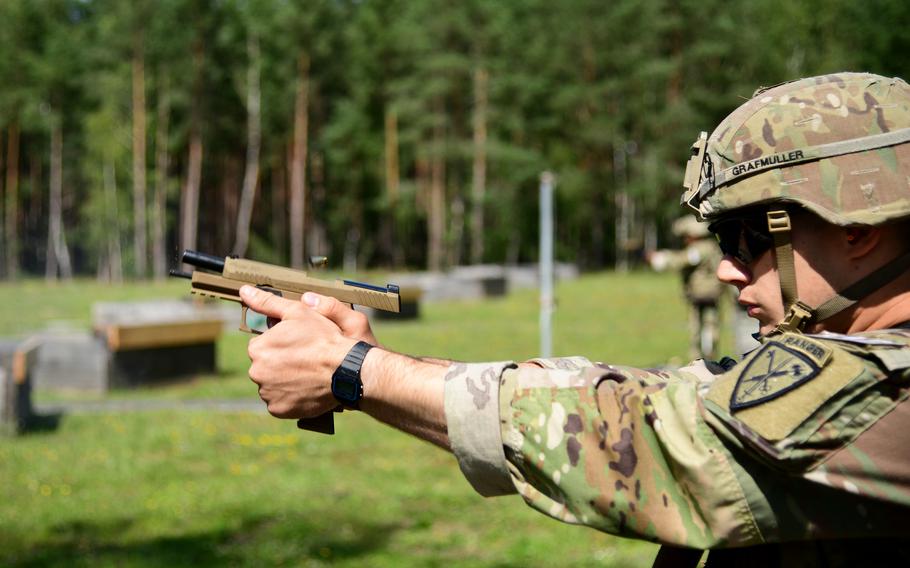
(697, 371)
(472, 393)
(623, 450)
(620, 449)
(567, 363)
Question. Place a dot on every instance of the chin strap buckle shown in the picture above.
(798, 317)
(778, 221)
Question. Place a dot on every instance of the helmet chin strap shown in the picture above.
(798, 314)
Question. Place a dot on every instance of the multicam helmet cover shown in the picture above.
(838, 145)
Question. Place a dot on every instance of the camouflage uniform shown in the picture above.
(796, 456)
(696, 264)
(659, 455)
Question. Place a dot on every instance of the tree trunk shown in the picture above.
(625, 220)
(254, 137)
(12, 203)
(112, 215)
(298, 163)
(598, 213)
(513, 249)
(422, 173)
(392, 174)
(649, 242)
(479, 174)
(58, 259)
(279, 224)
(190, 197)
(393, 183)
(437, 212)
(456, 235)
(2, 214)
(140, 246)
(623, 207)
(36, 205)
(317, 235)
(159, 205)
(228, 200)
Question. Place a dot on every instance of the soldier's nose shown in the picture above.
(731, 271)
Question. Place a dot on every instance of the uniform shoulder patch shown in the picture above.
(781, 384)
(780, 365)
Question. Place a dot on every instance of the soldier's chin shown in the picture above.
(764, 328)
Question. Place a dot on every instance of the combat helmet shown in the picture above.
(837, 145)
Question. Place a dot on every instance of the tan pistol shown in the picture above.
(222, 277)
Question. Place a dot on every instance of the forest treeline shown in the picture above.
(394, 133)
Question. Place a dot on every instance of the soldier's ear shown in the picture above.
(860, 241)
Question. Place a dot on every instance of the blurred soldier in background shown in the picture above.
(696, 264)
(795, 456)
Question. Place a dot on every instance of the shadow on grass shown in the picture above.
(260, 540)
(38, 423)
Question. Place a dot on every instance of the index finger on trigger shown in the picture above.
(265, 303)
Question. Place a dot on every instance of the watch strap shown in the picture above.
(348, 372)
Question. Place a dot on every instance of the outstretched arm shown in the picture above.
(406, 393)
(293, 364)
(624, 450)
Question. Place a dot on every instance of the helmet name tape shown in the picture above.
(766, 162)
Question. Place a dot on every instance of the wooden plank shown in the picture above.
(24, 357)
(125, 337)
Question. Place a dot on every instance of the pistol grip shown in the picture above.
(323, 424)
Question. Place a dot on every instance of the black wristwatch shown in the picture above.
(346, 385)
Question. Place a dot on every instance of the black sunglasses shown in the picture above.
(745, 238)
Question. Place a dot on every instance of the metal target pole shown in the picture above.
(547, 303)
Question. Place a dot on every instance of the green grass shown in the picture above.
(207, 488)
(31, 305)
(168, 488)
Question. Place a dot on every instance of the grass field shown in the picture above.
(175, 487)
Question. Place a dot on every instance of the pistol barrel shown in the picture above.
(202, 260)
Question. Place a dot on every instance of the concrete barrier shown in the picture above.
(132, 344)
(160, 340)
(480, 281)
(66, 360)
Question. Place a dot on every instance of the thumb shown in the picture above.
(351, 322)
(328, 306)
(264, 302)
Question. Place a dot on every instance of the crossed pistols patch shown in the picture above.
(780, 366)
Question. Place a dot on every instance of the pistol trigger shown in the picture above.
(243, 325)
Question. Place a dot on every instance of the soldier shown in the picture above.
(696, 264)
(795, 456)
